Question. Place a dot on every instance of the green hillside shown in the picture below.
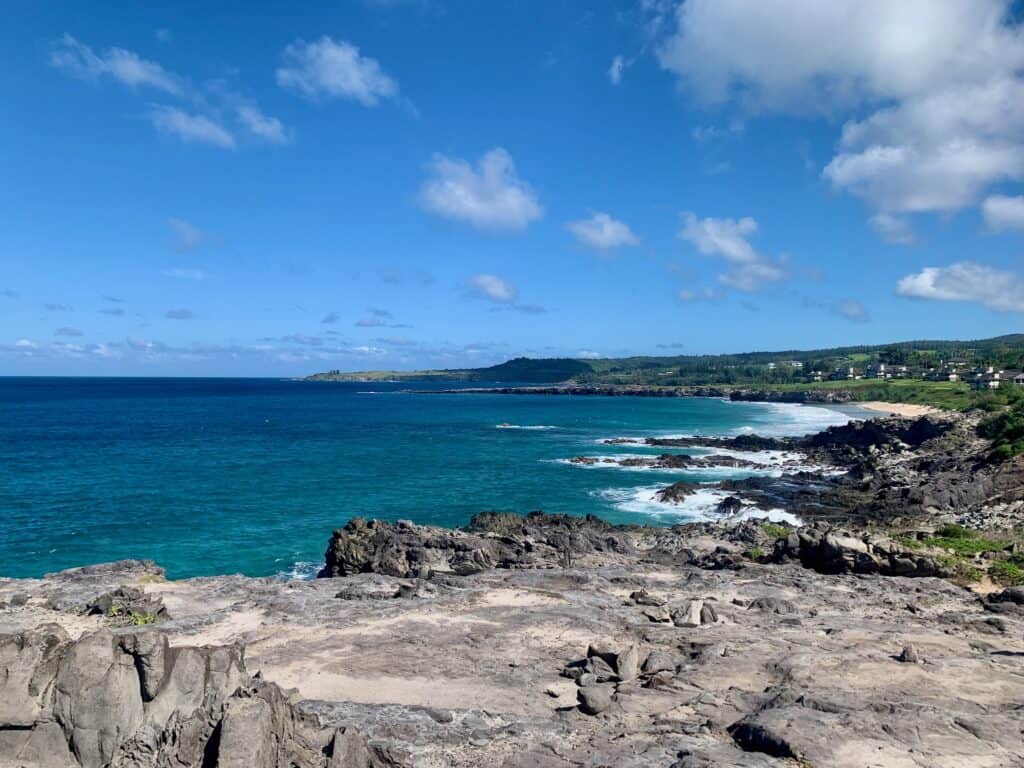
(748, 369)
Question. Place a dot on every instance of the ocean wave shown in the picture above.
(770, 463)
(720, 473)
(526, 426)
(301, 569)
(699, 506)
(792, 420)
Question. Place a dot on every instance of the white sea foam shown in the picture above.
(769, 463)
(699, 506)
(793, 420)
(716, 472)
(525, 426)
(301, 569)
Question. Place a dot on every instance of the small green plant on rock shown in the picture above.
(775, 530)
(963, 541)
(1009, 572)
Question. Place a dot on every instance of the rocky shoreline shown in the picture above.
(831, 396)
(879, 634)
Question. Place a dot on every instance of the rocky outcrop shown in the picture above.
(832, 550)
(130, 700)
(491, 540)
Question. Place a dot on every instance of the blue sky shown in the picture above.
(226, 189)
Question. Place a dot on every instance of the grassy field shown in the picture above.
(951, 395)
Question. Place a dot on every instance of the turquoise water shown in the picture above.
(210, 476)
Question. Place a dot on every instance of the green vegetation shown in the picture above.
(1008, 573)
(963, 541)
(775, 530)
(754, 553)
(1006, 431)
(131, 618)
(785, 371)
(968, 555)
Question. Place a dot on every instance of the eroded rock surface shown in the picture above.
(648, 647)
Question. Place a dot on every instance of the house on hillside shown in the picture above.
(816, 376)
(845, 374)
(986, 381)
(941, 374)
(886, 371)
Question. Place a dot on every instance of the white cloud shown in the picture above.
(616, 69)
(727, 238)
(1003, 213)
(966, 281)
(721, 237)
(126, 67)
(752, 277)
(697, 294)
(492, 196)
(588, 354)
(936, 152)
(893, 229)
(792, 55)
(189, 236)
(941, 83)
(185, 274)
(190, 128)
(335, 69)
(264, 126)
(853, 310)
(491, 288)
(603, 232)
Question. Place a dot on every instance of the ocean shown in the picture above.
(214, 476)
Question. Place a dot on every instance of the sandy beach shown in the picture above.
(909, 410)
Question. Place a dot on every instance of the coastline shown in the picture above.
(538, 640)
(906, 410)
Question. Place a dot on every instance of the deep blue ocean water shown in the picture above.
(211, 476)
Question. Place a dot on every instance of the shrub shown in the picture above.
(775, 530)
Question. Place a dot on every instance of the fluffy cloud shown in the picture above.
(216, 102)
(940, 83)
(1003, 213)
(491, 288)
(893, 229)
(264, 126)
(616, 69)
(728, 239)
(125, 67)
(966, 281)
(491, 196)
(935, 152)
(190, 128)
(603, 232)
(334, 69)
